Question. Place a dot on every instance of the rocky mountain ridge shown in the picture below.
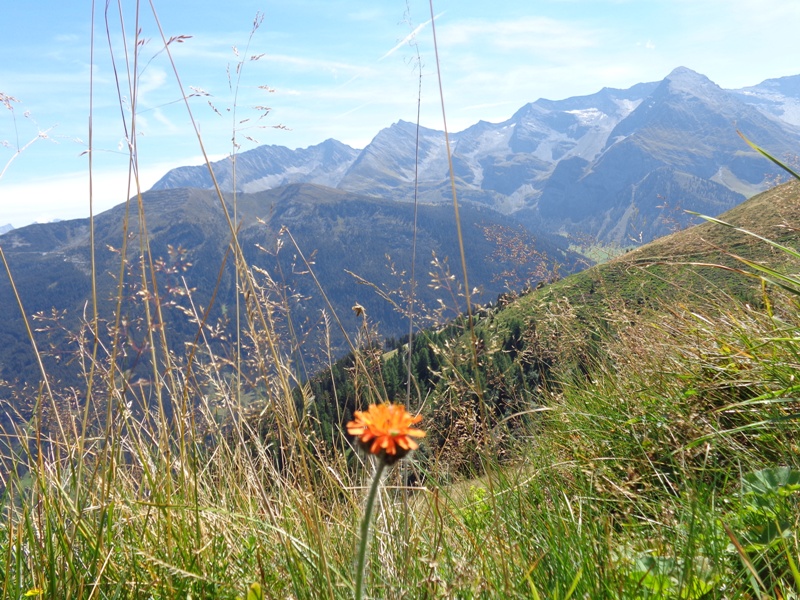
(616, 165)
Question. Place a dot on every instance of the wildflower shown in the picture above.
(385, 431)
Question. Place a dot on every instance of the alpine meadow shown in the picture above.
(549, 357)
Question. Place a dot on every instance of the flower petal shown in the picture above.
(385, 430)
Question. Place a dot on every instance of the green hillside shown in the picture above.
(627, 432)
(671, 267)
(526, 345)
(646, 406)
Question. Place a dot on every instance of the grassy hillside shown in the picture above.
(672, 266)
(627, 432)
(524, 346)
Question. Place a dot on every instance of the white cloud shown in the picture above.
(151, 79)
(210, 54)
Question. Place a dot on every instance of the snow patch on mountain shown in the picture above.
(572, 163)
(626, 106)
(790, 111)
(315, 173)
(471, 146)
(588, 117)
(774, 103)
(432, 166)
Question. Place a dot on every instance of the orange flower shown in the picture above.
(385, 430)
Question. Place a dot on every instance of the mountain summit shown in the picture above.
(268, 167)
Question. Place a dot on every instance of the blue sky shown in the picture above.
(328, 68)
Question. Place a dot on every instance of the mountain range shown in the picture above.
(618, 165)
(358, 247)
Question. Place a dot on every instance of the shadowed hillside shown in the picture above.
(338, 232)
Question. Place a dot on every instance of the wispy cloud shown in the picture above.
(152, 80)
(314, 64)
(353, 110)
(527, 34)
(219, 54)
(406, 40)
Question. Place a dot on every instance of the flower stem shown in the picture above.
(365, 522)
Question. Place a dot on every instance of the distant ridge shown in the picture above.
(268, 167)
(619, 166)
(340, 231)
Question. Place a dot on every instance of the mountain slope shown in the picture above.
(188, 237)
(779, 97)
(556, 328)
(675, 267)
(533, 351)
(678, 148)
(498, 164)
